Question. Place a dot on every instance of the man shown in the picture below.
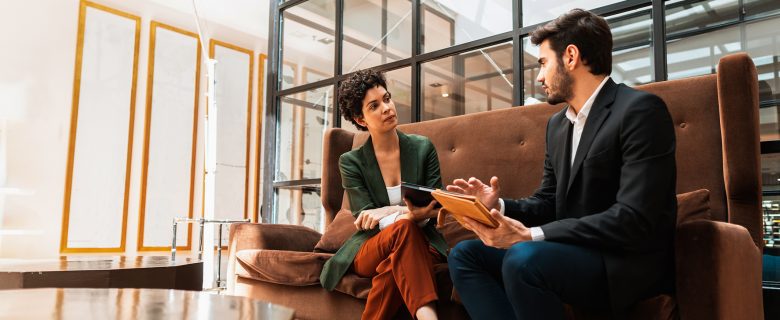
(598, 232)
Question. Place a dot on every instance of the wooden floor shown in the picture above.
(103, 272)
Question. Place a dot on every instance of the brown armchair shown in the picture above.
(718, 260)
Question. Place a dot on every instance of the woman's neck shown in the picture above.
(385, 142)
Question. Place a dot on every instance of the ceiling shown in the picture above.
(250, 16)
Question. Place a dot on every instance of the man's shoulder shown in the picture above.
(629, 97)
(560, 116)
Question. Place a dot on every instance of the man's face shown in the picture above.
(555, 79)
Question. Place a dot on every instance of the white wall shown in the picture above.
(36, 87)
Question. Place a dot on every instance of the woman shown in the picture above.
(396, 244)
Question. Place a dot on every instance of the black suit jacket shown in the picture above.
(619, 194)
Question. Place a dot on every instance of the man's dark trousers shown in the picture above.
(530, 280)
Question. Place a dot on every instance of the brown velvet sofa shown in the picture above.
(718, 260)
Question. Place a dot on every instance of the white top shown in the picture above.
(394, 194)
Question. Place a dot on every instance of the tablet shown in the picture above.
(419, 196)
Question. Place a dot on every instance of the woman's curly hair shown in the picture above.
(353, 90)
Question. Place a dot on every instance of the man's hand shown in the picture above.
(369, 219)
(509, 231)
(417, 214)
(487, 194)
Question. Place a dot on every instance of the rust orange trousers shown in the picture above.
(400, 261)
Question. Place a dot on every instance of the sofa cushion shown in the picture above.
(337, 232)
(281, 267)
(694, 205)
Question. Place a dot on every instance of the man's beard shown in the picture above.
(562, 86)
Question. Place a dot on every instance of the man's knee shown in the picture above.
(464, 251)
(522, 261)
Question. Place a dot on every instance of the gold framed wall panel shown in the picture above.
(213, 43)
(154, 25)
(77, 99)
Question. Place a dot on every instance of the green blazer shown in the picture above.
(362, 180)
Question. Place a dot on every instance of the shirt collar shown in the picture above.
(586, 107)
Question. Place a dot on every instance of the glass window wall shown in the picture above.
(474, 81)
(308, 28)
(450, 22)
(304, 117)
(539, 11)
(375, 32)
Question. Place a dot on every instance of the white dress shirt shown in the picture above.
(578, 120)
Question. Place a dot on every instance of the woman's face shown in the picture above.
(378, 111)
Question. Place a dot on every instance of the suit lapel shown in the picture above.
(598, 113)
(374, 181)
(564, 155)
(408, 156)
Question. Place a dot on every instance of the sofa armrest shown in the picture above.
(266, 236)
(272, 237)
(718, 272)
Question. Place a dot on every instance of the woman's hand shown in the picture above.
(417, 214)
(369, 219)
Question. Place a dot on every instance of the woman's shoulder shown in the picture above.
(419, 139)
(353, 154)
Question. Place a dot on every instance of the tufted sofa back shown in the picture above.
(715, 118)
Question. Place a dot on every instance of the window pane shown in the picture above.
(763, 45)
(399, 83)
(631, 56)
(300, 206)
(308, 28)
(450, 22)
(532, 90)
(699, 55)
(302, 121)
(760, 8)
(474, 81)
(770, 174)
(368, 41)
(538, 11)
(686, 16)
(769, 125)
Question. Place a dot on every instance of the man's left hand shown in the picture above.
(508, 232)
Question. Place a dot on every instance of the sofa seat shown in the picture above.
(303, 269)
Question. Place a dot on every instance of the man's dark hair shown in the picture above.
(589, 32)
(353, 90)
